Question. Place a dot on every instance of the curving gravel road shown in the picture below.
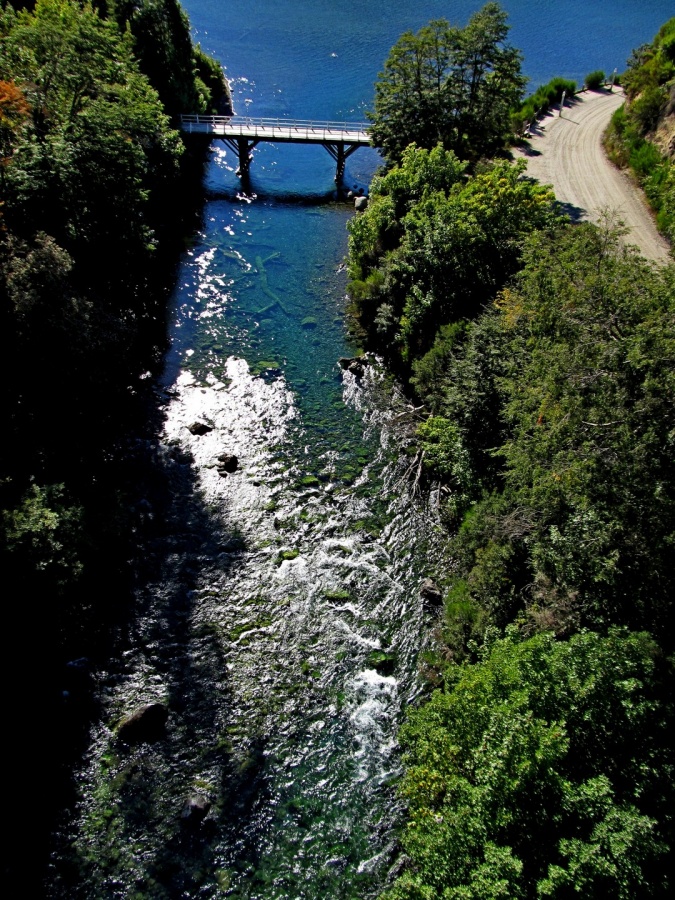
(566, 151)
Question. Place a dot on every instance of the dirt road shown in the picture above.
(566, 152)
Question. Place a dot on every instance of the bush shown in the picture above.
(544, 97)
(645, 159)
(647, 108)
(595, 80)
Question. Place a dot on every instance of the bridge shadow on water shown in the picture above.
(260, 192)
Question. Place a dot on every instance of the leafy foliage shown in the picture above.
(595, 79)
(186, 79)
(41, 535)
(649, 88)
(423, 258)
(546, 96)
(571, 373)
(545, 354)
(450, 86)
(88, 155)
(542, 771)
(88, 160)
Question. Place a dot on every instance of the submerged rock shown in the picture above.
(200, 428)
(145, 724)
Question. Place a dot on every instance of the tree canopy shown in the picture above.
(449, 85)
(541, 355)
(562, 395)
(435, 245)
(543, 771)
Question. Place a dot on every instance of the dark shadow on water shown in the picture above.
(148, 786)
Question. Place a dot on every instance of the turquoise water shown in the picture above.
(272, 596)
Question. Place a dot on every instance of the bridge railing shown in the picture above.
(265, 127)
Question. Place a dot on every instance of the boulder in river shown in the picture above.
(227, 463)
(431, 593)
(144, 725)
(195, 809)
(354, 364)
(360, 204)
(383, 662)
(199, 427)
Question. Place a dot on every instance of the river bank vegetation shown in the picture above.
(641, 133)
(540, 763)
(94, 182)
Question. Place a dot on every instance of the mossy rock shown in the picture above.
(265, 365)
(337, 595)
(384, 663)
(287, 555)
(309, 481)
(309, 322)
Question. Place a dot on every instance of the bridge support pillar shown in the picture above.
(242, 146)
(340, 151)
(244, 149)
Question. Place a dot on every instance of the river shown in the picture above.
(278, 613)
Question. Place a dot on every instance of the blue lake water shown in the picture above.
(275, 585)
(318, 59)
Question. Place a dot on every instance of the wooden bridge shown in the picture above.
(242, 134)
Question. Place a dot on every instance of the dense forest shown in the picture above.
(541, 353)
(95, 188)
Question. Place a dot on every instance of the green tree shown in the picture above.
(43, 536)
(98, 144)
(450, 86)
(572, 373)
(443, 254)
(186, 79)
(544, 770)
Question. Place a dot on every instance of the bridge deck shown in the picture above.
(294, 131)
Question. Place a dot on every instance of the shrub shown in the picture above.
(647, 108)
(544, 97)
(595, 80)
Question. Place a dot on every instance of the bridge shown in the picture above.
(241, 134)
